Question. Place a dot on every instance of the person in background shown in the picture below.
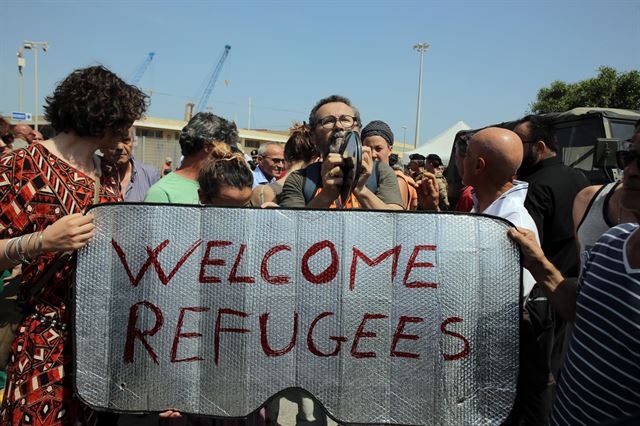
(378, 136)
(225, 181)
(299, 152)
(416, 165)
(597, 208)
(270, 164)
(552, 188)
(433, 164)
(135, 178)
(330, 120)
(41, 219)
(600, 380)
(6, 137)
(465, 200)
(37, 137)
(166, 167)
(23, 135)
(204, 135)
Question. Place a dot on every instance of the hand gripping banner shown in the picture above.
(403, 318)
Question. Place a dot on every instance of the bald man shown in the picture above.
(492, 159)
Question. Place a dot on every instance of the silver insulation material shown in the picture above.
(399, 318)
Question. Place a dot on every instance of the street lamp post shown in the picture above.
(34, 45)
(420, 47)
(21, 64)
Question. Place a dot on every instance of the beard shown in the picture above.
(528, 163)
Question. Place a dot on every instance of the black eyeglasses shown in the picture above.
(329, 122)
(625, 158)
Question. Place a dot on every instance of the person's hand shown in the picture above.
(367, 167)
(533, 257)
(428, 192)
(70, 232)
(331, 173)
(269, 205)
(170, 414)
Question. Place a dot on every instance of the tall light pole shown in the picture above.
(34, 45)
(21, 64)
(420, 47)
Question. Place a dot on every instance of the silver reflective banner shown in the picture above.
(407, 318)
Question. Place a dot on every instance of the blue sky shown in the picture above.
(486, 62)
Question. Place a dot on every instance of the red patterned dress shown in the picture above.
(36, 189)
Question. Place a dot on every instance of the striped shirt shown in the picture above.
(601, 375)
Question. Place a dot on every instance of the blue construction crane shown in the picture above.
(202, 103)
(138, 75)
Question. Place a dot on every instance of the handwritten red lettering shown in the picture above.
(264, 268)
(465, 351)
(357, 254)
(207, 261)
(220, 329)
(328, 274)
(233, 275)
(265, 342)
(179, 334)
(400, 335)
(123, 259)
(164, 279)
(311, 345)
(361, 333)
(134, 333)
(413, 264)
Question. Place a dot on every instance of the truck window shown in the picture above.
(622, 130)
(577, 140)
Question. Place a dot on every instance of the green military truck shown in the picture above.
(588, 139)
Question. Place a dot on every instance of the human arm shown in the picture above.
(387, 195)
(404, 190)
(428, 192)
(70, 232)
(562, 293)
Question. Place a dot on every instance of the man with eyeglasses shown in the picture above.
(600, 379)
(270, 164)
(330, 119)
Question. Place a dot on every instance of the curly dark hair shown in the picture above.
(92, 101)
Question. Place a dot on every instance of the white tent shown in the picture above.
(440, 144)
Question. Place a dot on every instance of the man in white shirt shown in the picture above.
(492, 159)
(270, 164)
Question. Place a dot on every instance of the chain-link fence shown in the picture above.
(154, 151)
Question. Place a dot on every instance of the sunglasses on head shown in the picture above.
(625, 158)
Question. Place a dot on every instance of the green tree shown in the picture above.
(609, 89)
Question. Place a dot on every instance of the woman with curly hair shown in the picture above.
(50, 185)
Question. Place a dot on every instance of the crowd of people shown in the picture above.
(580, 332)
